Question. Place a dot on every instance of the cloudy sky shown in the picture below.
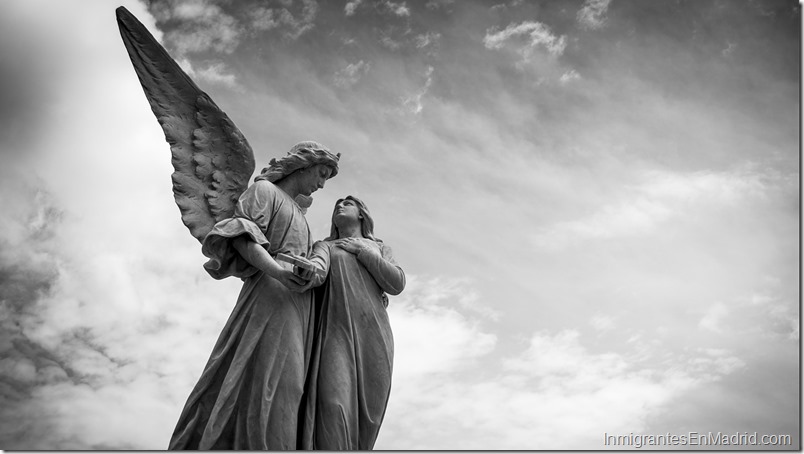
(596, 204)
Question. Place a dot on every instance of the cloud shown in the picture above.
(426, 317)
(214, 73)
(660, 197)
(295, 25)
(84, 332)
(537, 35)
(713, 319)
(414, 103)
(263, 18)
(714, 363)
(383, 6)
(438, 4)
(569, 76)
(729, 49)
(351, 6)
(218, 73)
(203, 27)
(292, 24)
(351, 74)
(427, 39)
(555, 394)
(602, 322)
(397, 9)
(592, 15)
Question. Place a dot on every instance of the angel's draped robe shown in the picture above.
(350, 377)
(249, 394)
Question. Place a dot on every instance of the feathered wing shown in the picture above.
(213, 162)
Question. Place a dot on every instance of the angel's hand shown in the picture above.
(354, 245)
(307, 286)
(306, 273)
(292, 281)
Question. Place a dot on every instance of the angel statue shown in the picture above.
(249, 395)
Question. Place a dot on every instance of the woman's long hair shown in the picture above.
(366, 224)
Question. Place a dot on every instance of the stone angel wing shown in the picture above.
(212, 160)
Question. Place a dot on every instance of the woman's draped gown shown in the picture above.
(249, 394)
(350, 377)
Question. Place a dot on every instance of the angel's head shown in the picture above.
(311, 159)
(351, 210)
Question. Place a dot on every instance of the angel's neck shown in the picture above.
(290, 186)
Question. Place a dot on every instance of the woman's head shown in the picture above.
(302, 156)
(350, 209)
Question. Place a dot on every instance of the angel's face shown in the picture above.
(314, 178)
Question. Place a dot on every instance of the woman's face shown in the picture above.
(346, 210)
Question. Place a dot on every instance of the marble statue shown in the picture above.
(350, 375)
(249, 395)
(305, 358)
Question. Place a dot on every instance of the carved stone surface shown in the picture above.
(285, 373)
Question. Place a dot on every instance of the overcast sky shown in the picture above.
(596, 204)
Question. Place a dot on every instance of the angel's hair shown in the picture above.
(366, 224)
(301, 156)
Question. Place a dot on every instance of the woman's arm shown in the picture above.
(378, 260)
(383, 269)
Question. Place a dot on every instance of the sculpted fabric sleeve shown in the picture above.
(251, 217)
(320, 257)
(384, 270)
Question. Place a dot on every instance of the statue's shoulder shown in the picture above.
(386, 250)
(263, 188)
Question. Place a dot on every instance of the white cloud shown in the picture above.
(263, 18)
(205, 27)
(602, 322)
(389, 42)
(658, 198)
(398, 9)
(437, 4)
(432, 336)
(569, 76)
(555, 394)
(713, 363)
(414, 103)
(351, 6)
(218, 73)
(384, 6)
(537, 35)
(295, 25)
(215, 72)
(592, 14)
(713, 319)
(427, 39)
(729, 49)
(351, 74)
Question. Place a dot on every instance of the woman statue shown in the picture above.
(250, 392)
(350, 375)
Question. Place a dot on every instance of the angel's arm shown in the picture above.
(318, 261)
(259, 258)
